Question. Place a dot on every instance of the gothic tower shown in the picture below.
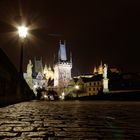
(100, 69)
(62, 69)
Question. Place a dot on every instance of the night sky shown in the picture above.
(94, 30)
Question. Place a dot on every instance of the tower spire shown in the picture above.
(95, 70)
(101, 64)
(100, 69)
(62, 52)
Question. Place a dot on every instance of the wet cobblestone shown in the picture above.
(70, 120)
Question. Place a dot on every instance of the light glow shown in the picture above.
(62, 96)
(22, 31)
(77, 87)
(45, 96)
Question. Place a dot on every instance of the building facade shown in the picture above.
(88, 85)
(48, 78)
(62, 69)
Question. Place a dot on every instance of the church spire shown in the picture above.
(100, 69)
(101, 64)
(62, 52)
(95, 70)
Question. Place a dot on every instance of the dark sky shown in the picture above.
(94, 30)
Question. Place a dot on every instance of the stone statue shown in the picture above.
(29, 69)
(105, 71)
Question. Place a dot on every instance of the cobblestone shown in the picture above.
(70, 120)
(23, 129)
(4, 128)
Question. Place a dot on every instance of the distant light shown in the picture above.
(62, 96)
(45, 96)
(22, 31)
(35, 86)
(77, 87)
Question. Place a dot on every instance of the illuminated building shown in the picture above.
(89, 84)
(99, 69)
(93, 85)
(62, 69)
(47, 77)
(114, 70)
(48, 72)
(95, 70)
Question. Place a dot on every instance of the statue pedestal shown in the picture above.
(29, 82)
(105, 85)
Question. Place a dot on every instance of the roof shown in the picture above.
(86, 79)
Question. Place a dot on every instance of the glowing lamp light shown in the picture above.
(77, 87)
(45, 96)
(62, 96)
(22, 31)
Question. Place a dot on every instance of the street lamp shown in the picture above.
(77, 88)
(22, 31)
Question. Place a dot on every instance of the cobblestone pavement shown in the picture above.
(70, 120)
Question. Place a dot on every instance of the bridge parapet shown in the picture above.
(13, 87)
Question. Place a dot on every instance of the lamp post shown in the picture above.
(22, 31)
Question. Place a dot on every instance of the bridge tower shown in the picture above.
(62, 68)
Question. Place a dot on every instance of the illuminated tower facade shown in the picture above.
(100, 69)
(62, 69)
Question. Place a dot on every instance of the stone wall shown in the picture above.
(13, 87)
